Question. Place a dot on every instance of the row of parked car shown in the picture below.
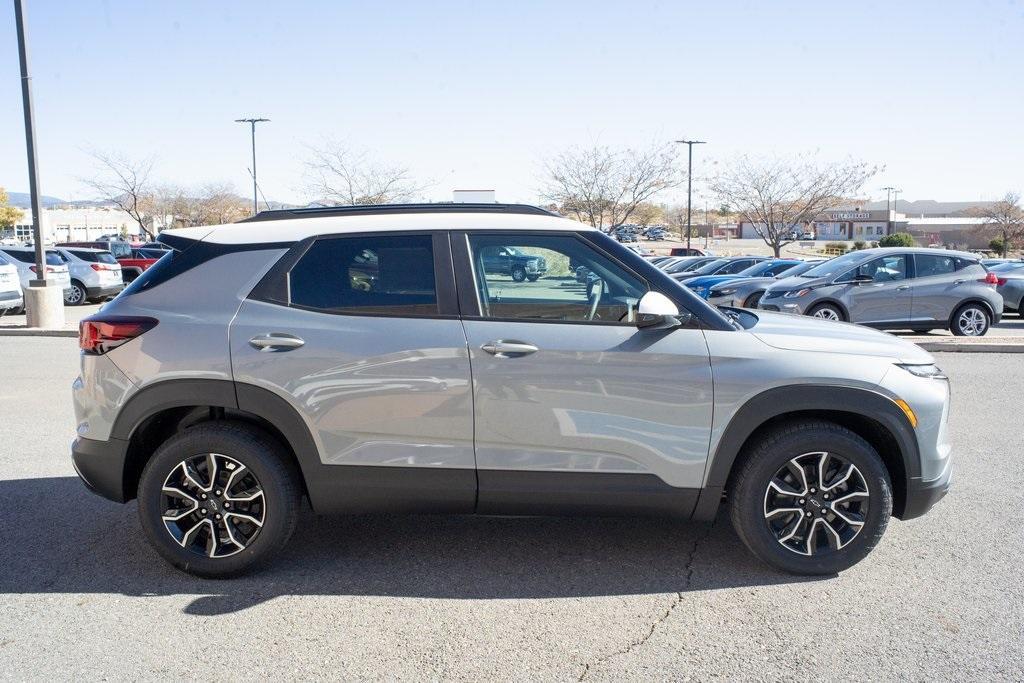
(634, 233)
(86, 271)
(894, 288)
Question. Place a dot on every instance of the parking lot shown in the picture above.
(425, 597)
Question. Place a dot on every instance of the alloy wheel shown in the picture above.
(212, 505)
(75, 296)
(816, 504)
(971, 321)
(826, 314)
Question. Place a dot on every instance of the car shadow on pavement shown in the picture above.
(59, 538)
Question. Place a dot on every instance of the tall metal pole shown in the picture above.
(689, 181)
(888, 209)
(30, 145)
(255, 188)
(895, 198)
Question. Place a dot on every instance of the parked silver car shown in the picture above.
(25, 260)
(364, 358)
(747, 292)
(11, 298)
(1010, 285)
(895, 288)
(95, 274)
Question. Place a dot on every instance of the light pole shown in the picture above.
(252, 127)
(43, 304)
(888, 209)
(689, 180)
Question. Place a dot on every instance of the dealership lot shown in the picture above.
(468, 598)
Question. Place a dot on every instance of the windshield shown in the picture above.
(709, 268)
(798, 269)
(836, 265)
(763, 267)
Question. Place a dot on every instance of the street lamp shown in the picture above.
(252, 126)
(689, 180)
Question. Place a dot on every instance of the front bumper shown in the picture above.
(100, 465)
(922, 495)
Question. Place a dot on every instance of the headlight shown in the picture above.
(796, 293)
(930, 370)
(723, 292)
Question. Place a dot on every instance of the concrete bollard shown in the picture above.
(44, 306)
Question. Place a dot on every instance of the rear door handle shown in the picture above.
(959, 282)
(276, 341)
(504, 349)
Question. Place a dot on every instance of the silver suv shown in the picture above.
(895, 289)
(363, 358)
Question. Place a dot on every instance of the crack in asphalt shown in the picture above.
(676, 600)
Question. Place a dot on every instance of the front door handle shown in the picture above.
(504, 349)
(959, 282)
(276, 341)
(902, 287)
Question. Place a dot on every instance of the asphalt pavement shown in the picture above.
(433, 597)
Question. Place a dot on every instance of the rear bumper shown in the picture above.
(104, 291)
(923, 495)
(100, 465)
(11, 300)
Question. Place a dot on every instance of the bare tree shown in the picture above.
(339, 174)
(604, 186)
(125, 183)
(779, 195)
(1004, 218)
(210, 204)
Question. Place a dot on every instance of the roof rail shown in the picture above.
(373, 209)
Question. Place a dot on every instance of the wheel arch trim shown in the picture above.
(774, 404)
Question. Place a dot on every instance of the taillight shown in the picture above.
(99, 334)
(992, 279)
(48, 269)
(101, 266)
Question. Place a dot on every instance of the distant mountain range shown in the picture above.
(22, 200)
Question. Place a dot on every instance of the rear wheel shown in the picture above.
(218, 499)
(826, 312)
(811, 498)
(533, 278)
(76, 295)
(970, 320)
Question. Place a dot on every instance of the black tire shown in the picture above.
(970, 320)
(827, 312)
(749, 489)
(264, 457)
(519, 273)
(753, 300)
(533, 278)
(77, 294)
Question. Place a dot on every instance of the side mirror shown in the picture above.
(656, 311)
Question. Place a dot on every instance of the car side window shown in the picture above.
(969, 267)
(884, 269)
(552, 277)
(928, 265)
(373, 274)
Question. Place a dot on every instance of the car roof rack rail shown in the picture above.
(374, 209)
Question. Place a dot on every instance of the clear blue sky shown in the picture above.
(474, 94)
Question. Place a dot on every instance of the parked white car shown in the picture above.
(11, 298)
(95, 274)
(24, 258)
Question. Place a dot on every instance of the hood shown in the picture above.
(745, 281)
(798, 282)
(803, 333)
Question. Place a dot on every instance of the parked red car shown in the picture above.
(133, 260)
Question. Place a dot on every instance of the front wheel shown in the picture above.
(217, 499)
(810, 498)
(753, 300)
(519, 274)
(826, 312)
(971, 320)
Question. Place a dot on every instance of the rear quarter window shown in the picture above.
(970, 267)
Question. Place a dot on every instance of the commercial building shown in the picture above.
(74, 223)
